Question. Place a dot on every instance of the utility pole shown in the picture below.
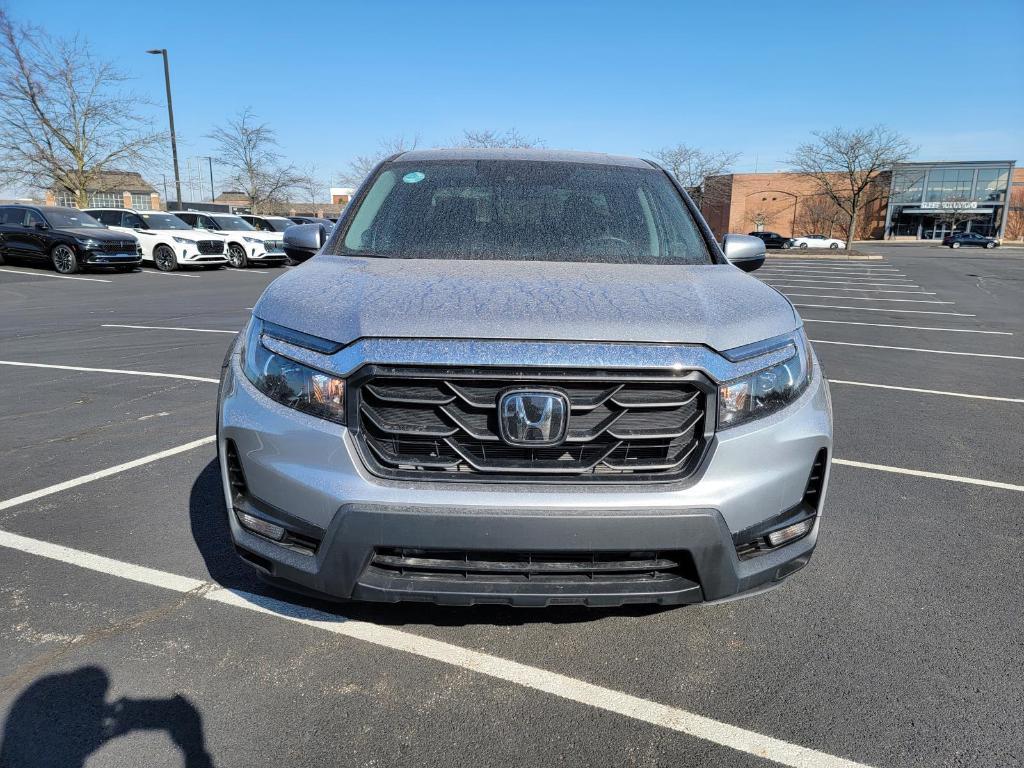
(209, 162)
(170, 119)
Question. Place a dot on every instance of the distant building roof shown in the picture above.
(231, 196)
(121, 181)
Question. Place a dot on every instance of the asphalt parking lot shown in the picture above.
(131, 633)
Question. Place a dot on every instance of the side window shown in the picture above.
(10, 216)
(107, 217)
(32, 218)
(187, 218)
(132, 220)
(260, 224)
(205, 222)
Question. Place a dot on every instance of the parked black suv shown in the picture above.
(773, 239)
(969, 240)
(70, 239)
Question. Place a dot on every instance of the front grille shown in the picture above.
(210, 247)
(443, 425)
(274, 246)
(535, 567)
(118, 246)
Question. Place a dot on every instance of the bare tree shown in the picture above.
(761, 219)
(817, 214)
(510, 139)
(694, 169)
(311, 186)
(844, 164)
(359, 168)
(65, 117)
(249, 152)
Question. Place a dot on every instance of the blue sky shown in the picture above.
(749, 77)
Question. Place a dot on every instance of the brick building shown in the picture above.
(113, 189)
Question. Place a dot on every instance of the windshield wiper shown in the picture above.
(365, 255)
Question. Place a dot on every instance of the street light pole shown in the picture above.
(209, 162)
(170, 118)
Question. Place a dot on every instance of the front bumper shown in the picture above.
(306, 473)
(101, 259)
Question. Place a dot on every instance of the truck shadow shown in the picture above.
(62, 719)
(209, 522)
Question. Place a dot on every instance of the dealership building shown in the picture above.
(912, 201)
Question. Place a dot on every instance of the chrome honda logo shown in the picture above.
(533, 418)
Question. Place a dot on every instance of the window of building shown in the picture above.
(949, 184)
(142, 202)
(106, 200)
(991, 186)
(907, 186)
(65, 199)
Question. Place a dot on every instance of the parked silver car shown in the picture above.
(524, 377)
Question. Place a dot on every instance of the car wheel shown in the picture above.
(64, 259)
(164, 258)
(803, 245)
(236, 256)
(786, 246)
(954, 245)
(990, 245)
(833, 246)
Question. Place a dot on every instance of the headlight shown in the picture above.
(290, 383)
(88, 242)
(767, 390)
(183, 240)
(252, 240)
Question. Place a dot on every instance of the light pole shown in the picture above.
(170, 118)
(209, 162)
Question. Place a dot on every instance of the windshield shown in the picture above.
(233, 224)
(525, 210)
(69, 218)
(279, 225)
(163, 221)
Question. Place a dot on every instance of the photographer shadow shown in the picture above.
(64, 718)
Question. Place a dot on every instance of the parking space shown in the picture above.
(899, 644)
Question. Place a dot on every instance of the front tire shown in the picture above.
(955, 245)
(164, 258)
(989, 245)
(803, 245)
(64, 259)
(236, 256)
(834, 247)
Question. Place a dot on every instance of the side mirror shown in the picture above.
(744, 251)
(305, 237)
(40, 225)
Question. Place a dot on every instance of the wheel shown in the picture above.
(236, 256)
(164, 258)
(803, 245)
(64, 259)
(833, 246)
(990, 245)
(786, 246)
(955, 245)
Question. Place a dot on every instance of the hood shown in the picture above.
(97, 234)
(255, 235)
(346, 298)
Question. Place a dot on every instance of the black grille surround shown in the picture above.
(118, 246)
(210, 247)
(441, 424)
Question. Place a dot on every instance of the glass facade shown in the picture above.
(930, 200)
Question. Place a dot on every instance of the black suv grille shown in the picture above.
(118, 246)
(443, 425)
(210, 247)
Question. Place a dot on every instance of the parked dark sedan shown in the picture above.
(969, 240)
(772, 239)
(66, 237)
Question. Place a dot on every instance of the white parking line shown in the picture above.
(927, 391)
(59, 277)
(165, 328)
(859, 290)
(523, 675)
(830, 268)
(836, 271)
(893, 284)
(850, 275)
(110, 370)
(164, 274)
(51, 489)
(863, 298)
(930, 475)
(918, 349)
(883, 309)
(908, 327)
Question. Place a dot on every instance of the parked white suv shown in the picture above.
(166, 241)
(246, 244)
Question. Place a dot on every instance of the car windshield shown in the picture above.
(69, 218)
(279, 225)
(525, 211)
(163, 221)
(233, 224)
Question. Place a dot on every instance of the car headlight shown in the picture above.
(252, 240)
(770, 389)
(291, 383)
(183, 240)
(88, 242)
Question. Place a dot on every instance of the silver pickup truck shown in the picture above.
(524, 377)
